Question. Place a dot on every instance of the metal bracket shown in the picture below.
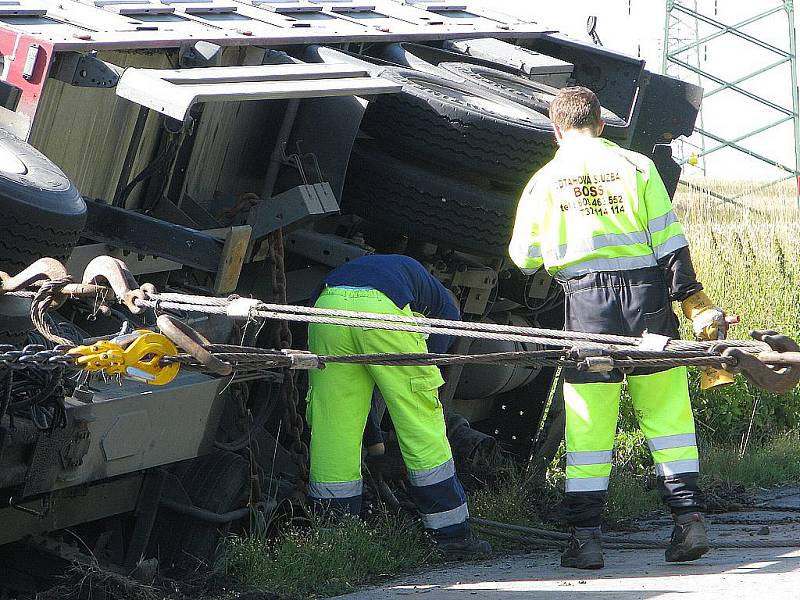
(291, 207)
(539, 285)
(325, 248)
(146, 235)
(85, 70)
(478, 283)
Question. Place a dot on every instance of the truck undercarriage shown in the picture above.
(248, 148)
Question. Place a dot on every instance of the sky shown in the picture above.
(636, 27)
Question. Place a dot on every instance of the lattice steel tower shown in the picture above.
(692, 29)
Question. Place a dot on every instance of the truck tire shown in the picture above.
(218, 482)
(15, 320)
(426, 205)
(460, 125)
(527, 92)
(43, 213)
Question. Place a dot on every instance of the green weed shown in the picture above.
(512, 500)
(773, 462)
(629, 498)
(328, 559)
(748, 259)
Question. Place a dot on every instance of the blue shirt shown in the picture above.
(406, 283)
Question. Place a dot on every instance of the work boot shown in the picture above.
(464, 549)
(584, 549)
(689, 538)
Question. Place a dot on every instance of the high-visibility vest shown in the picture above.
(594, 207)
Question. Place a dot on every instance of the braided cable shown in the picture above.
(492, 331)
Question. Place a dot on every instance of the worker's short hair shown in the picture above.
(576, 108)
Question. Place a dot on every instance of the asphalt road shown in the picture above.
(751, 574)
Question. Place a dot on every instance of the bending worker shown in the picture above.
(600, 220)
(339, 397)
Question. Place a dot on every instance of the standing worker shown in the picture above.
(600, 220)
(339, 396)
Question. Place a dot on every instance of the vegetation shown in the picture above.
(747, 256)
(773, 462)
(328, 559)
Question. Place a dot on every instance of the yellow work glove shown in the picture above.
(709, 324)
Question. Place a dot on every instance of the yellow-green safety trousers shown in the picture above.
(339, 399)
(626, 303)
(662, 407)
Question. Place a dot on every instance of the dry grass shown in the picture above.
(748, 257)
(90, 582)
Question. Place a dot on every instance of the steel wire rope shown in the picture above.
(267, 308)
(376, 323)
(522, 534)
(546, 337)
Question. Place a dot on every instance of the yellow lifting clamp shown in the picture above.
(134, 355)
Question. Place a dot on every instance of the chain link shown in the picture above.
(288, 391)
(246, 423)
(34, 356)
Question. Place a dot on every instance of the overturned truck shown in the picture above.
(248, 147)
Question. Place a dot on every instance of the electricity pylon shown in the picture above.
(688, 32)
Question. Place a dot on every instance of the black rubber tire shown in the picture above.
(218, 482)
(527, 92)
(426, 205)
(482, 134)
(15, 320)
(42, 212)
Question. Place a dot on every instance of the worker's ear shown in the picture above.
(601, 127)
(558, 132)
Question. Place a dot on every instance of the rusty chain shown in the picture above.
(246, 423)
(288, 391)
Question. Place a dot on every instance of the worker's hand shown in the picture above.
(708, 320)
(709, 323)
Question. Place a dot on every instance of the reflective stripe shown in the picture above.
(534, 252)
(623, 263)
(676, 467)
(665, 442)
(587, 484)
(350, 287)
(432, 476)
(600, 457)
(446, 518)
(672, 244)
(662, 222)
(345, 489)
(606, 240)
